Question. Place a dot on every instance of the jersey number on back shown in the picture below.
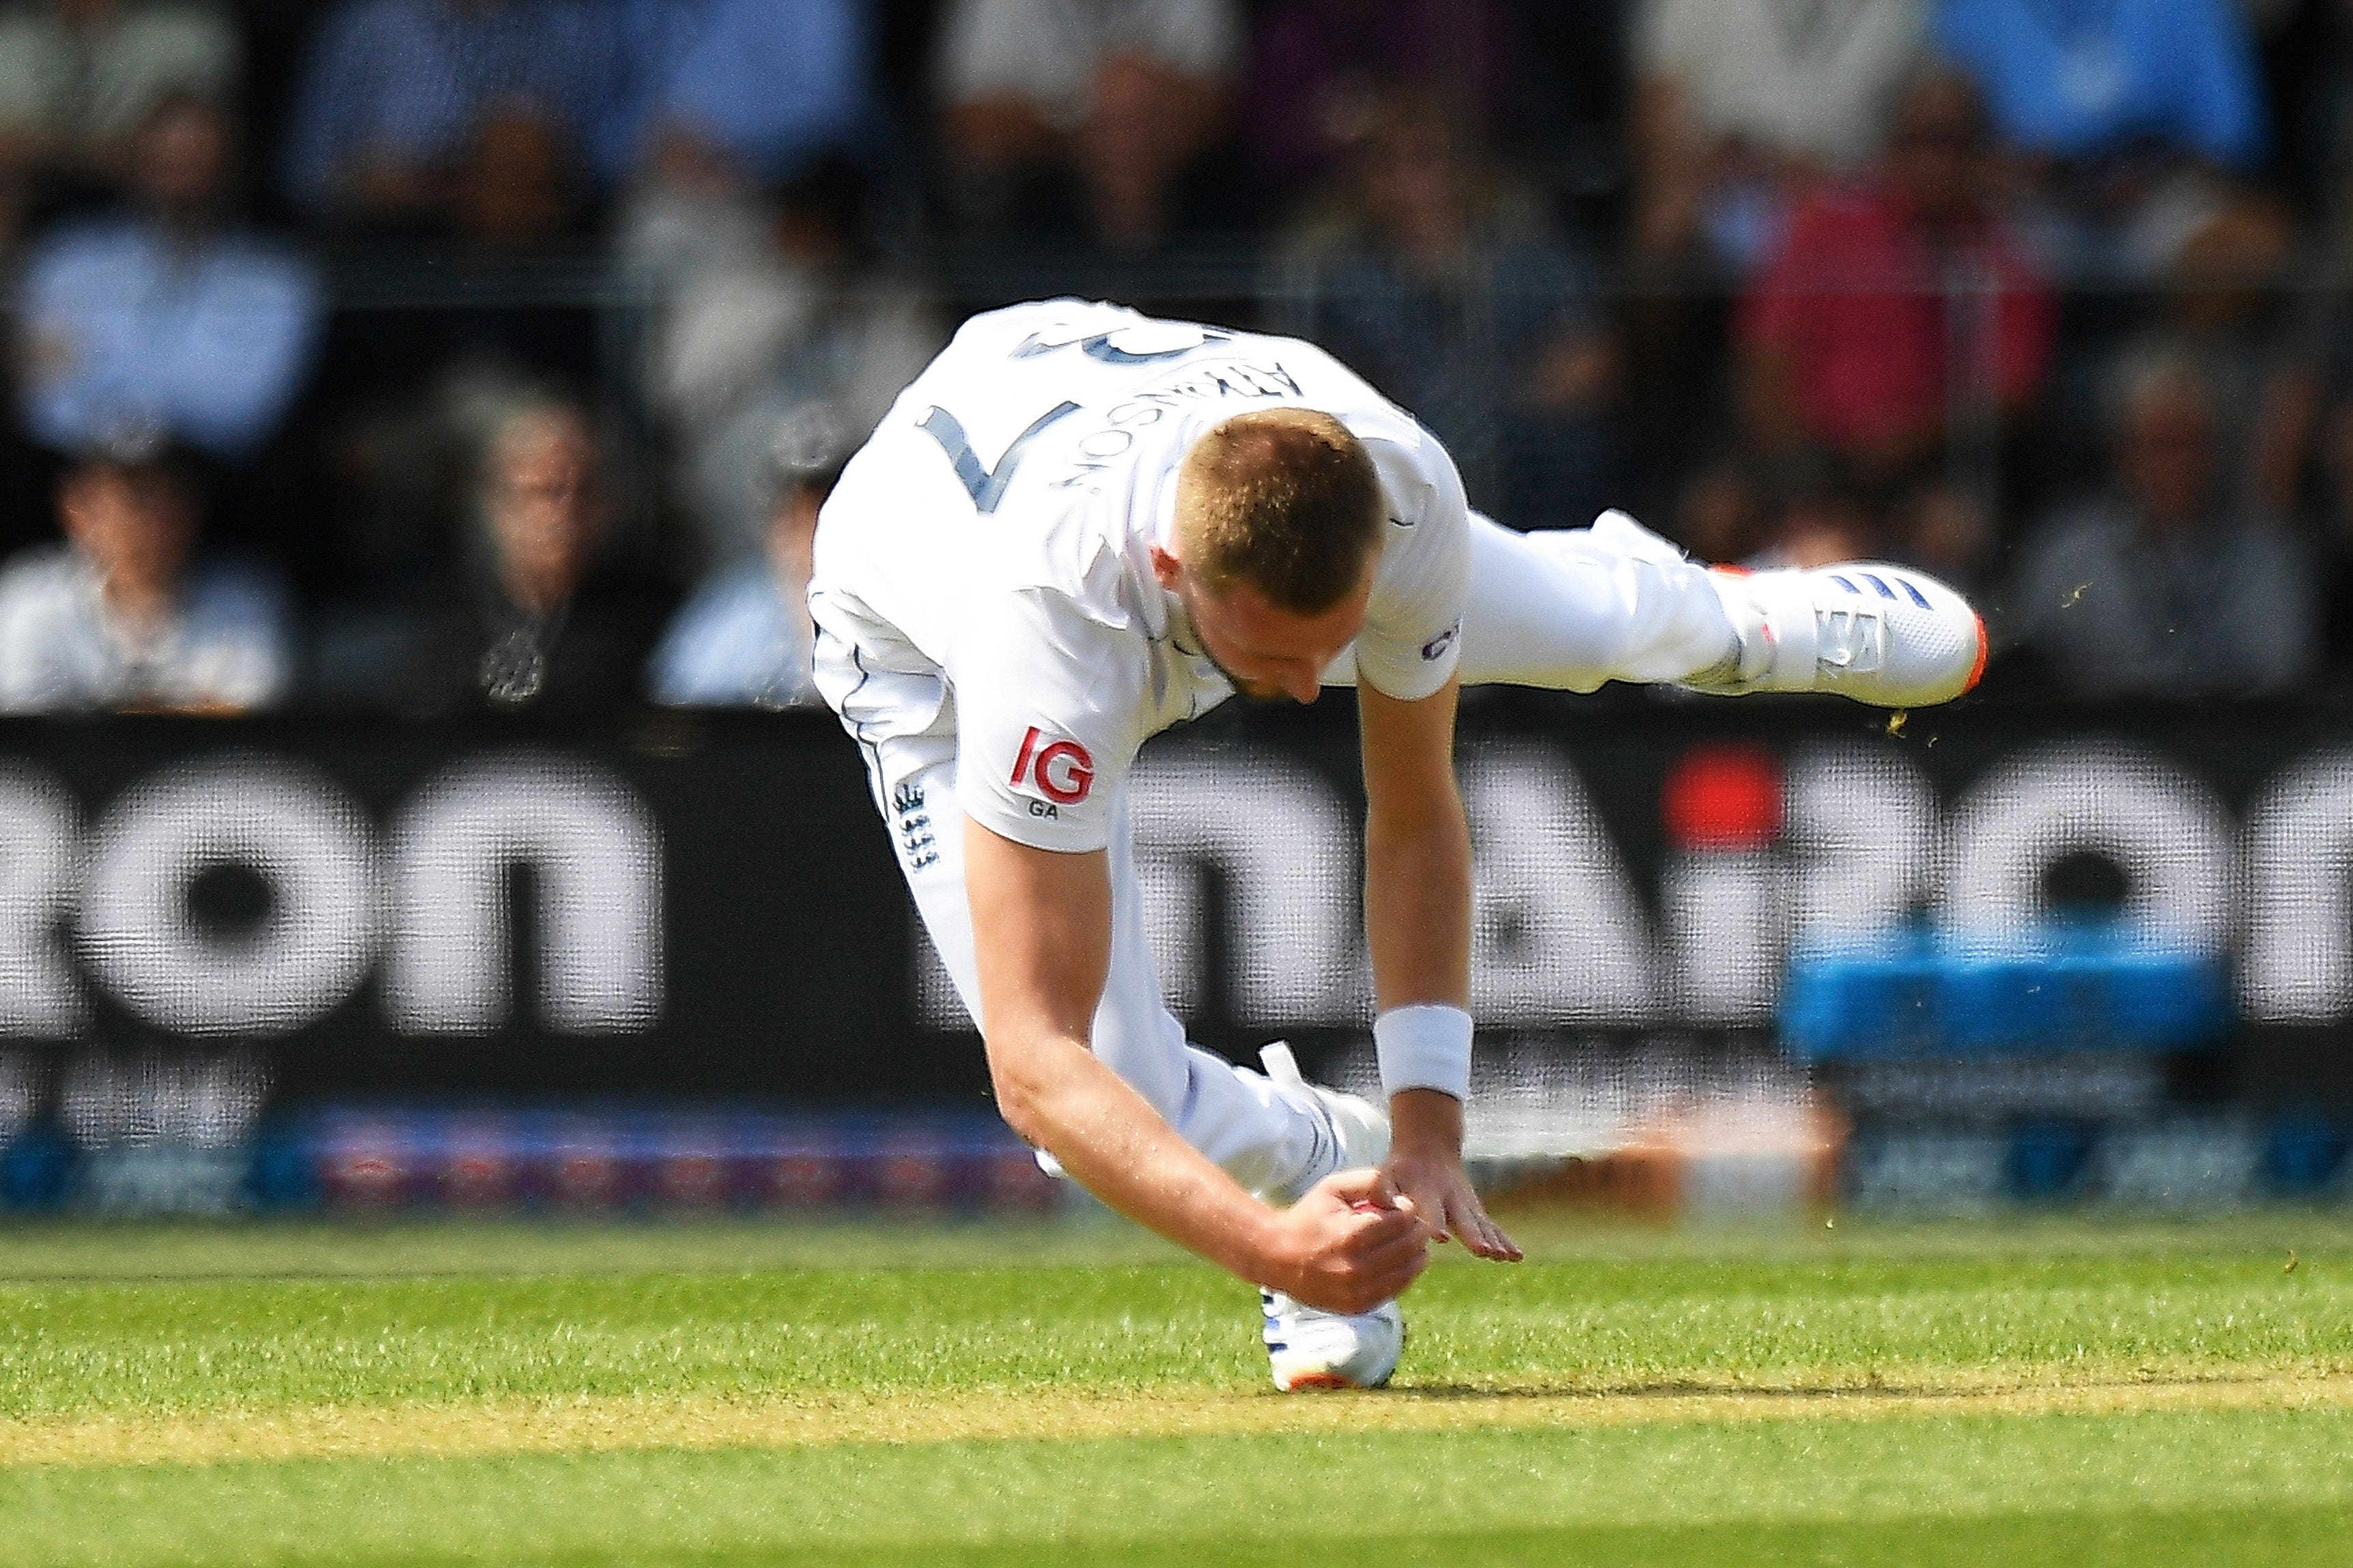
(986, 486)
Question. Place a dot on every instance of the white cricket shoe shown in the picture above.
(1884, 635)
(1306, 1346)
(1313, 1349)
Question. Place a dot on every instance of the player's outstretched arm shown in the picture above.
(1041, 925)
(1418, 924)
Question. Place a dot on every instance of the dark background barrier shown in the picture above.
(705, 905)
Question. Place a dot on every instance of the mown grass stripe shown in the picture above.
(593, 1425)
(1537, 1496)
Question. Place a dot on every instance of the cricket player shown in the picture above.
(1081, 526)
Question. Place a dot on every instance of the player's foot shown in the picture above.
(1306, 1346)
(1883, 634)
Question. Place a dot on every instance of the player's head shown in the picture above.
(1277, 529)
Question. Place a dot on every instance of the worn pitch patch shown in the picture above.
(615, 1425)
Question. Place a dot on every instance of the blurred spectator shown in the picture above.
(1898, 310)
(761, 312)
(1806, 508)
(744, 639)
(1719, 511)
(77, 77)
(2131, 109)
(2161, 588)
(2224, 306)
(1743, 103)
(168, 316)
(2311, 57)
(467, 114)
(764, 86)
(2301, 464)
(122, 616)
(1321, 69)
(1818, 516)
(1948, 529)
(1122, 94)
(538, 619)
(1446, 286)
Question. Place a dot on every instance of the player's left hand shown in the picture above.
(1425, 1164)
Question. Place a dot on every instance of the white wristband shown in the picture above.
(1425, 1046)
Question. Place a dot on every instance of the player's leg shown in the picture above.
(1568, 609)
(1272, 1134)
(1273, 1138)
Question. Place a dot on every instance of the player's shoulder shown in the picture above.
(1004, 330)
(1072, 564)
(1325, 381)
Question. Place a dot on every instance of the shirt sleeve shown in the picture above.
(1413, 628)
(242, 354)
(59, 360)
(1197, 38)
(1770, 315)
(333, 100)
(184, 49)
(1048, 701)
(24, 673)
(2222, 112)
(1662, 35)
(772, 83)
(1010, 48)
(239, 650)
(29, 68)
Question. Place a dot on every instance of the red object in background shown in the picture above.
(365, 1170)
(1857, 301)
(478, 1177)
(585, 1175)
(1723, 797)
(1010, 1180)
(691, 1179)
(804, 1177)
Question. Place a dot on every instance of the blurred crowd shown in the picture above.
(435, 356)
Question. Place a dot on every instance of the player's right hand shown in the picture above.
(1351, 1244)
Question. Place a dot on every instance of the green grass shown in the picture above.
(1518, 1496)
(1544, 1413)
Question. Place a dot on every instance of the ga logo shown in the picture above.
(1062, 769)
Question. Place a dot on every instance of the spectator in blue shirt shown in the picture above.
(125, 613)
(766, 85)
(2137, 114)
(397, 94)
(165, 317)
(744, 640)
(2075, 78)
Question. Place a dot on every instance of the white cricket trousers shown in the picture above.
(1565, 609)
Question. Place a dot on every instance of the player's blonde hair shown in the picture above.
(1284, 499)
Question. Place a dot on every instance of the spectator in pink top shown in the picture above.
(1857, 339)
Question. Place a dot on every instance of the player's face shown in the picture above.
(1271, 653)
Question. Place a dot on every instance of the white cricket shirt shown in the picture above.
(984, 562)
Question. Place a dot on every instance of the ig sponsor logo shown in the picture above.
(1060, 770)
